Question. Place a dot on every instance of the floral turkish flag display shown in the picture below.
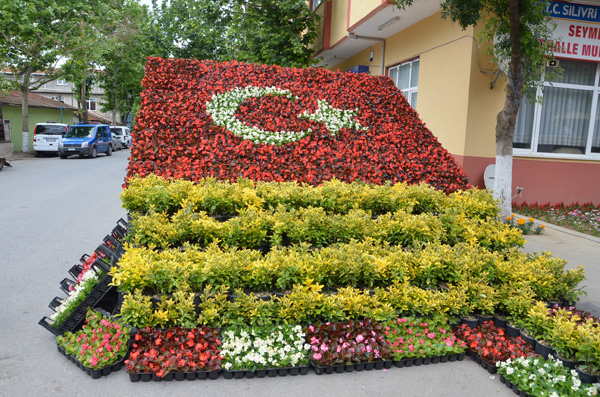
(231, 120)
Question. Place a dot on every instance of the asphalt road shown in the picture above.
(51, 212)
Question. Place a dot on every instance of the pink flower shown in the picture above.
(421, 341)
(93, 360)
(359, 338)
(324, 347)
(411, 348)
(315, 348)
(311, 329)
(431, 335)
(317, 356)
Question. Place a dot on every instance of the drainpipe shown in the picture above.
(61, 110)
(351, 35)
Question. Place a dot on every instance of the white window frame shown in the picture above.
(407, 92)
(61, 82)
(537, 119)
(89, 102)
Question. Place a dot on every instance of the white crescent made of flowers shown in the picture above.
(222, 108)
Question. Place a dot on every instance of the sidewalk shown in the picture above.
(578, 249)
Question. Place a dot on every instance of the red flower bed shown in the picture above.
(492, 344)
(175, 135)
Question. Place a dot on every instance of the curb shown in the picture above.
(561, 229)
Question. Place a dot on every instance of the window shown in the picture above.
(406, 77)
(61, 82)
(316, 4)
(567, 122)
(91, 104)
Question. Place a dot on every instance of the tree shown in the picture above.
(519, 32)
(94, 35)
(123, 65)
(262, 31)
(34, 35)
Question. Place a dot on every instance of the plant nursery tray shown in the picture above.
(513, 387)
(147, 376)
(94, 373)
(409, 362)
(268, 372)
(78, 316)
(368, 366)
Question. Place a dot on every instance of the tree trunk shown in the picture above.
(505, 123)
(25, 117)
(84, 100)
(116, 98)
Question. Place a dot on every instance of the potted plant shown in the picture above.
(588, 351)
(537, 376)
(339, 346)
(174, 353)
(429, 339)
(258, 351)
(99, 347)
(489, 344)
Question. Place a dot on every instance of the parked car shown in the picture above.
(46, 137)
(86, 140)
(123, 134)
(116, 142)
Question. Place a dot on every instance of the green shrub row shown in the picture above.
(481, 275)
(316, 227)
(155, 194)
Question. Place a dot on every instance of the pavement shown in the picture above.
(52, 211)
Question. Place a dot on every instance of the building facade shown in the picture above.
(64, 91)
(447, 77)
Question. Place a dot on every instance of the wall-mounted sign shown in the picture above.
(577, 33)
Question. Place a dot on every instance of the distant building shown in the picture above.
(64, 91)
(41, 110)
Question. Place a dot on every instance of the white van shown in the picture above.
(46, 137)
(123, 134)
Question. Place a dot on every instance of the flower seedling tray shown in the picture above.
(147, 377)
(268, 372)
(76, 319)
(94, 373)
(368, 366)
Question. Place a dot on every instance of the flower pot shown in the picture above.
(369, 366)
(568, 363)
(426, 360)
(482, 319)
(349, 367)
(409, 362)
(471, 322)
(511, 330)
(543, 349)
(529, 339)
(500, 321)
(418, 361)
(585, 376)
(359, 366)
(378, 364)
(339, 368)
(444, 358)
(388, 364)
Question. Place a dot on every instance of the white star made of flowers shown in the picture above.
(333, 118)
(222, 108)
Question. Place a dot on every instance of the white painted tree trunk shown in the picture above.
(503, 181)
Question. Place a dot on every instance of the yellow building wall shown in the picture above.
(361, 8)
(454, 96)
(339, 19)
